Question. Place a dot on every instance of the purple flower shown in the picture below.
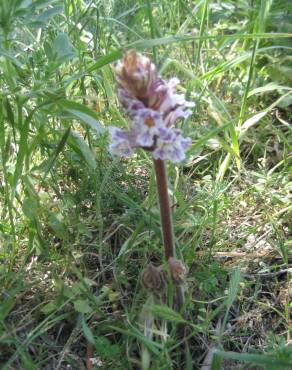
(164, 98)
(121, 143)
(171, 145)
(153, 106)
(129, 102)
(146, 124)
(176, 114)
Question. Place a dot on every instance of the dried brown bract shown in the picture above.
(177, 270)
(154, 278)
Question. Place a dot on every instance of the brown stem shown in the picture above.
(165, 213)
(166, 221)
(89, 356)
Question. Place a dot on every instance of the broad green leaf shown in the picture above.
(78, 144)
(49, 13)
(30, 207)
(63, 47)
(83, 113)
(11, 58)
(58, 226)
(49, 308)
(82, 306)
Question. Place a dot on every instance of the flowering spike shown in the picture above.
(153, 107)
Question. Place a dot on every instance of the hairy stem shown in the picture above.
(165, 213)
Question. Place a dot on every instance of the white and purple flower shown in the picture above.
(146, 124)
(171, 145)
(153, 107)
(121, 144)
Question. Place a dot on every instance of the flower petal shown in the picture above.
(120, 142)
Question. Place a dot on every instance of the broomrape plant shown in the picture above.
(153, 106)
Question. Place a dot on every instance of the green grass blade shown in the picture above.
(266, 360)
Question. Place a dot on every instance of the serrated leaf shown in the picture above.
(105, 348)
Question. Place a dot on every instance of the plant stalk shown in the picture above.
(166, 222)
(165, 212)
